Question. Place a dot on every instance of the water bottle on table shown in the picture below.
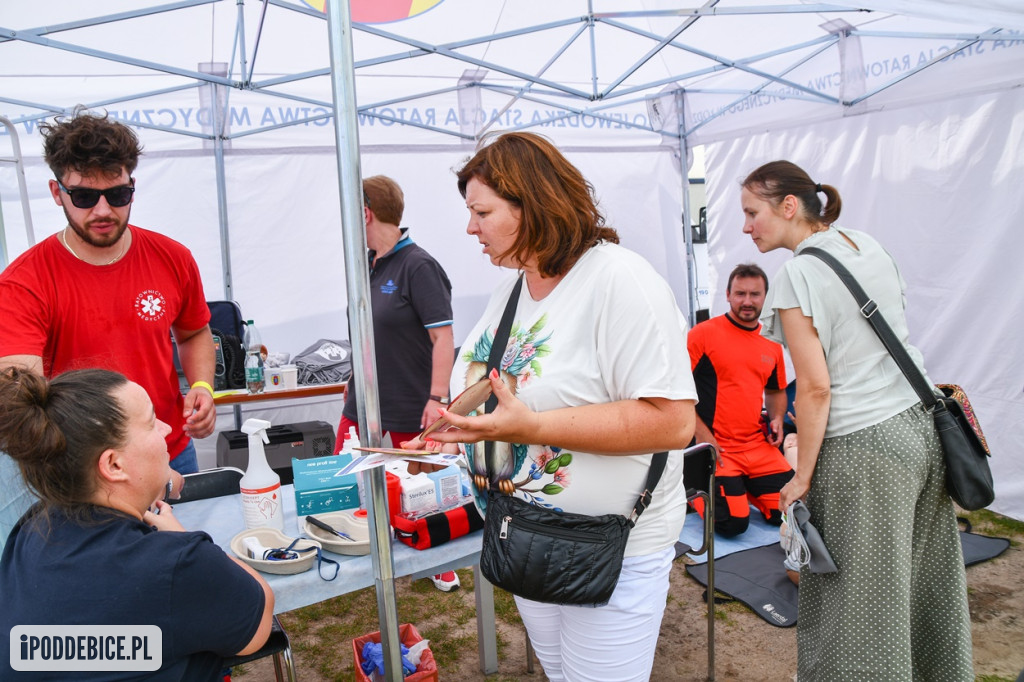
(254, 380)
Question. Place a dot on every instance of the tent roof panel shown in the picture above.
(741, 62)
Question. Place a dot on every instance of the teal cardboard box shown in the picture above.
(320, 488)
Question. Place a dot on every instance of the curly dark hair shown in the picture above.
(560, 219)
(87, 143)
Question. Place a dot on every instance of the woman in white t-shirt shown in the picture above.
(595, 378)
(869, 461)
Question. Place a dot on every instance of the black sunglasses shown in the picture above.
(83, 197)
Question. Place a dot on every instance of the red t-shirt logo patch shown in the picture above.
(150, 305)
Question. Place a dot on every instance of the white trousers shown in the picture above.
(610, 643)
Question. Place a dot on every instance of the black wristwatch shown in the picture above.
(441, 399)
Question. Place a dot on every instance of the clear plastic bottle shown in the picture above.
(254, 380)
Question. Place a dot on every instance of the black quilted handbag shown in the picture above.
(557, 557)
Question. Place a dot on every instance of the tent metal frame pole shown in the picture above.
(691, 260)
(121, 59)
(111, 18)
(740, 65)
(222, 202)
(662, 42)
(243, 67)
(758, 89)
(19, 172)
(357, 280)
(480, 63)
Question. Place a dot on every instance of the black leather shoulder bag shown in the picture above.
(968, 477)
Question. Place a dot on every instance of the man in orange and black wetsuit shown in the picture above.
(737, 371)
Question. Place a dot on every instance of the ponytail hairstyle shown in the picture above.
(56, 430)
(776, 180)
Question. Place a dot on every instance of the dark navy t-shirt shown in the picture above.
(409, 294)
(115, 570)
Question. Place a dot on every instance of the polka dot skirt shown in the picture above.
(897, 607)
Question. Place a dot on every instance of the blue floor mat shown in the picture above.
(758, 534)
(757, 578)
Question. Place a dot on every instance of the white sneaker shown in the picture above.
(446, 582)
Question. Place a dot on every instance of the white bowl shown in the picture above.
(274, 539)
(346, 522)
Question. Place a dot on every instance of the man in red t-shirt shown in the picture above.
(737, 371)
(103, 293)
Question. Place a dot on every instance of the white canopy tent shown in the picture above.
(911, 107)
(898, 103)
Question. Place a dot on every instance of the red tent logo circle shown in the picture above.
(380, 11)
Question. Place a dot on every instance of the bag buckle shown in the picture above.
(869, 308)
(640, 507)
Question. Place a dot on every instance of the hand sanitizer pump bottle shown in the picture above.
(260, 486)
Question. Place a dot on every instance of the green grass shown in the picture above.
(990, 523)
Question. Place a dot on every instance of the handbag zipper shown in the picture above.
(581, 535)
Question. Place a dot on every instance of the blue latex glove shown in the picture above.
(373, 659)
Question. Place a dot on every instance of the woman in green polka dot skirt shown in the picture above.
(870, 464)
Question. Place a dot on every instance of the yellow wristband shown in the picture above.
(203, 384)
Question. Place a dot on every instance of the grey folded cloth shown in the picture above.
(819, 560)
(325, 362)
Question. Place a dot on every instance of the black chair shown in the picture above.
(277, 646)
(217, 483)
(699, 464)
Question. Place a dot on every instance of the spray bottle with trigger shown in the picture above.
(260, 486)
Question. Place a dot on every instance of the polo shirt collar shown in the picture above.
(403, 242)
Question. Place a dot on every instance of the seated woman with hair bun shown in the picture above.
(101, 547)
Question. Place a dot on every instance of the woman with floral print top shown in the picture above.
(594, 379)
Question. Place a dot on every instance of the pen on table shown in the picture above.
(330, 529)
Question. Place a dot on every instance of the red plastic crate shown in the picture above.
(408, 635)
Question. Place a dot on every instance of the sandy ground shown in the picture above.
(748, 648)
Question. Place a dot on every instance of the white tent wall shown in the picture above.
(286, 240)
(584, 67)
(285, 235)
(940, 188)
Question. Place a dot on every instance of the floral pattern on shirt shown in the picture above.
(548, 472)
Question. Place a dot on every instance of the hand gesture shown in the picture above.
(511, 421)
(200, 413)
(161, 517)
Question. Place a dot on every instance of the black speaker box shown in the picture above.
(302, 440)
